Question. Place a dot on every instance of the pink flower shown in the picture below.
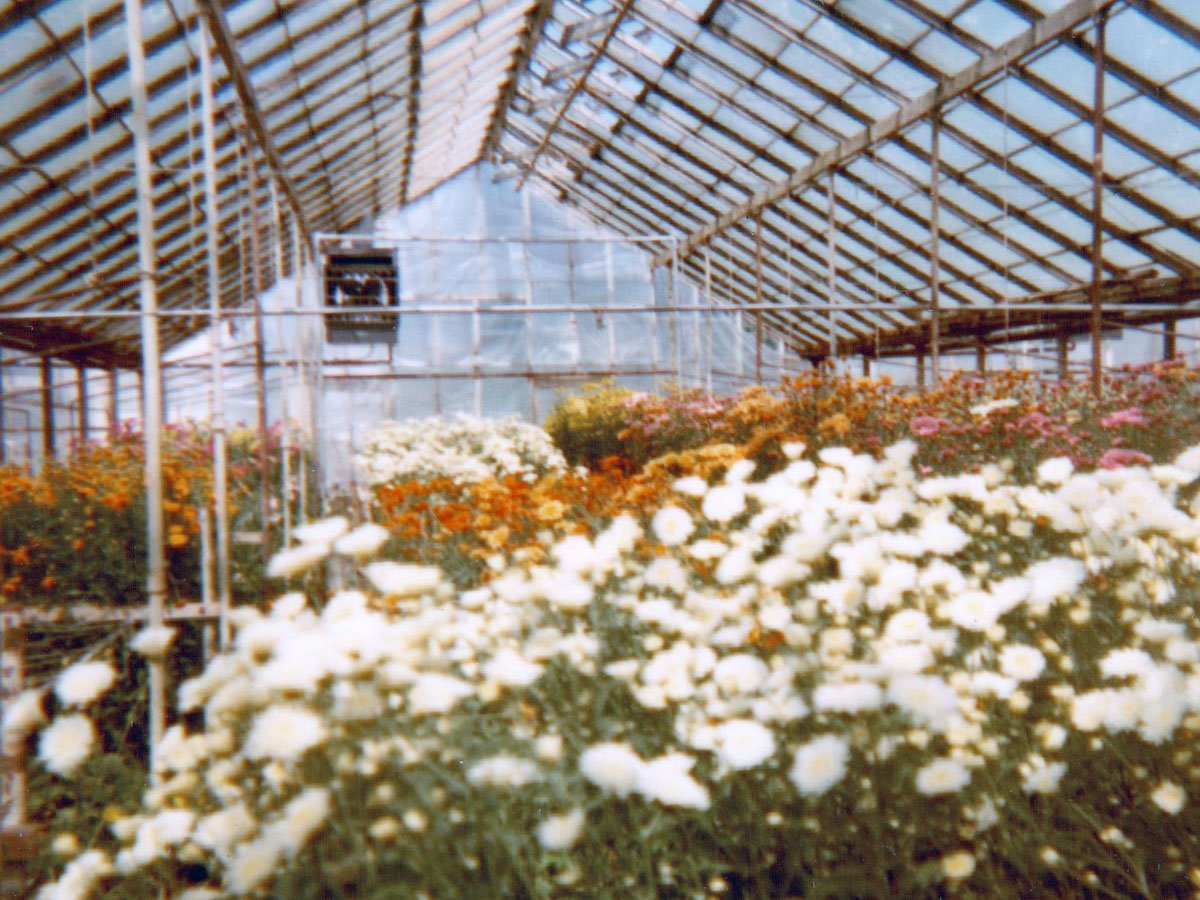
(925, 426)
(1120, 456)
(1131, 416)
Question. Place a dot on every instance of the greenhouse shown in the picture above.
(659, 449)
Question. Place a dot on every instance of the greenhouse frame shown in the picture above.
(279, 223)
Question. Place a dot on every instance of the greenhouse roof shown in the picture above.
(742, 126)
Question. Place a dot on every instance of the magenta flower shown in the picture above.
(925, 426)
(1120, 456)
(1131, 416)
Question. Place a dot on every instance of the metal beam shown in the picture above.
(1050, 28)
(226, 45)
(529, 39)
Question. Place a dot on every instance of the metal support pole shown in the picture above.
(3, 436)
(528, 221)
(935, 199)
(1097, 200)
(866, 363)
(831, 275)
(260, 364)
(1169, 339)
(1064, 368)
(921, 371)
(981, 358)
(309, 443)
(114, 405)
(47, 410)
(216, 340)
(758, 299)
(708, 356)
(82, 394)
(610, 299)
(285, 436)
(156, 577)
(676, 335)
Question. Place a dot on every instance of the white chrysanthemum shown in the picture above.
(1126, 662)
(667, 780)
(252, 865)
(1055, 471)
(743, 743)
(153, 641)
(548, 747)
(985, 409)
(1022, 662)
(323, 532)
(613, 767)
(219, 831)
(22, 714)
(511, 669)
(1042, 777)
(562, 832)
(668, 574)
(363, 541)
(908, 626)
(284, 733)
(927, 699)
(393, 579)
(435, 693)
(84, 683)
(78, 877)
(295, 560)
(692, 486)
(942, 776)
(740, 673)
(66, 743)
(958, 865)
(974, 610)
(849, 697)
(1169, 797)
(673, 525)
(724, 502)
(504, 771)
(906, 658)
(820, 764)
(942, 538)
(1088, 709)
(66, 843)
(300, 820)
(1054, 579)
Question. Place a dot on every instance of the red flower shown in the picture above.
(1120, 456)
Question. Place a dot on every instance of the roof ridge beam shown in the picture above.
(1049, 28)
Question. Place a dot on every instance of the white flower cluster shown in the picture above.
(823, 621)
(465, 448)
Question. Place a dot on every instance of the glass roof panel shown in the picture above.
(991, 23)
(1072, 72)
(847, 45)
(1029, 105)
(1171, 133)
(816, 70)
(884, 18)
(944, 53)
(1150, 49)
(749, 29)
(1119, 160)
(1175, 194)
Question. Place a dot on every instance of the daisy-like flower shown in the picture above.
(22, 714)
(511, 669)
(284, 733)
(974, 610)
(958, 865)
(743, 743)
(324, 532)
(613, 767)
(1022, 662)
(153, 641)
(435, 693)
(1169, 797)
(942, 776)
(820, 764)
(393, 579)
(66, 743)
(724, 502)
(84, 683)
(1042, 777)
(1055, 471)
(363, 541)
(295, 560)
(504, 771)
(673, 525)
(667, 780)
(563, 831)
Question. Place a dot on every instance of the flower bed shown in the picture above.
(844, 680)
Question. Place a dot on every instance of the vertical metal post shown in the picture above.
(260, 350)
(610, 299)
(300, 342)
(528, 229)
(47, 411)
(921, 370)
(156, 577)
(1097, 200)
(82, 395)
(935, 200)
(476, 349)
(866, 363)
(831, 275)
(114, 405)
(708, 355)
(981, 358)
(285, 435)
(697, 339)
(1169, 332)
(672, 297)
(1064, 368)
(739, 349)
(3, 436)
(758, 298)
(216, 337)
